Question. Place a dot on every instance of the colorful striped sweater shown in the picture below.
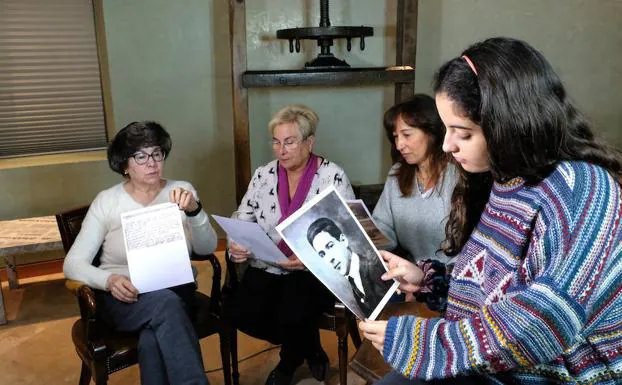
(536, 293)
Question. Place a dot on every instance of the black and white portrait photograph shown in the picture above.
(327, 238)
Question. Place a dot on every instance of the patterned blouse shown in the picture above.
(261, 202)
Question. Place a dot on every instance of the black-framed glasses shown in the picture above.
(141, 157)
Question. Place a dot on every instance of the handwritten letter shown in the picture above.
(157, 253)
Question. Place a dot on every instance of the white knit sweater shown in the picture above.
(102, 227)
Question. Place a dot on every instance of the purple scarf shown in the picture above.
(304, 185)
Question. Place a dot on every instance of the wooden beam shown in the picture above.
(241, 142)
(2, 310)
(332, 78)
(406, 43)
(102, 54)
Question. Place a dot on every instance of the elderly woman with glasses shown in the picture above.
(168, 348)
(282, 304)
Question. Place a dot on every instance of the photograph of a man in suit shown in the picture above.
(362, 269)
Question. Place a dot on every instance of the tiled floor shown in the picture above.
(36, 347)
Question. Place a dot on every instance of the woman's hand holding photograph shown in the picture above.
(374, 331)
(409, 275)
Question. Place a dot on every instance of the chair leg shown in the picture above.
(85, 375)
(101, 374)
(354, 333)
(343, 360)
(225, 354)
(233, 340)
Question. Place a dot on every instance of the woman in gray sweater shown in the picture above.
(414, 205)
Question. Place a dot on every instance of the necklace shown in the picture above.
(422, 180)
(420, 186)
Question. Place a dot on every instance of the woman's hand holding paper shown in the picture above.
(238, 253)
(293, 263)
(121, 288)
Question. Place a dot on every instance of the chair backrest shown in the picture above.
(369, 194)
(69, 224)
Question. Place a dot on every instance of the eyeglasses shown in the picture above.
(141, 157)
(288, 144)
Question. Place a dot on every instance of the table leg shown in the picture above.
(2, 312)
(11, 272)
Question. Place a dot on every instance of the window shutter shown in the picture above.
(50, 86)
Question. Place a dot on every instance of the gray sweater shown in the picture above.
(416, 222)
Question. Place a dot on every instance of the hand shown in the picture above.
(121, 288)
(184, 199)
(238, 253)
(293, 263)
(375, 332)
(405, 272)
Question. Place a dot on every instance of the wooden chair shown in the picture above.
(340, 320)
(368, 193)
(104, 350)
(343, 323)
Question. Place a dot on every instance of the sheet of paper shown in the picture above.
(362, 214)
(252, 236)
(155, 242)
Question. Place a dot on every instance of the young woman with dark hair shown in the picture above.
(535, 290)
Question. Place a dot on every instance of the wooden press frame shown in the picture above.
(404, 80)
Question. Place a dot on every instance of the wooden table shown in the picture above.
(24, 236)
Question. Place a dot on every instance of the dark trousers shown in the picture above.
(168, 347)
(281, 309)
(395, 378)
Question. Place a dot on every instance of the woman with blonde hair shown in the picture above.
(282, 304)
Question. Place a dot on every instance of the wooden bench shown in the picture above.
(25, 236)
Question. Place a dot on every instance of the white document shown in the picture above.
(155, 243)
(253, 237)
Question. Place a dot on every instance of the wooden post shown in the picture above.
(406, 44)
(11, 271)
(241, 145)
(104, 74)
(2, 308)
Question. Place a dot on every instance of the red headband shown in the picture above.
(470, 63)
